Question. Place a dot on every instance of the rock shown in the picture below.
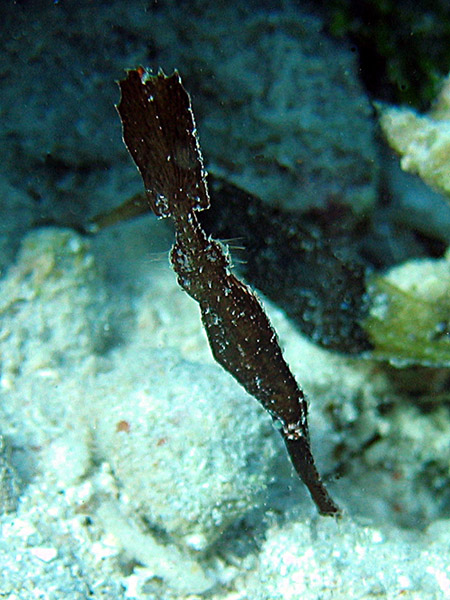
(282, 114)
(423, 141)
(53, 308)
(347, 560)
(191, 451)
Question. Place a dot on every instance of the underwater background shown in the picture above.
(131, 464)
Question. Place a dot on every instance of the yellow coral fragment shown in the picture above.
(423, 141)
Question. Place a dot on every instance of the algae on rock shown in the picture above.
(409, 319)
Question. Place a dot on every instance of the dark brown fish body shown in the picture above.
(159, 131)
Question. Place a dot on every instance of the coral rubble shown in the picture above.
(423, 141)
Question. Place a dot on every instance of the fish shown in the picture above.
(160, 134)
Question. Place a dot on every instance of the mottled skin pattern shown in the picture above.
(159, 131)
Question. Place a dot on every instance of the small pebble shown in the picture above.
(43, 553)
